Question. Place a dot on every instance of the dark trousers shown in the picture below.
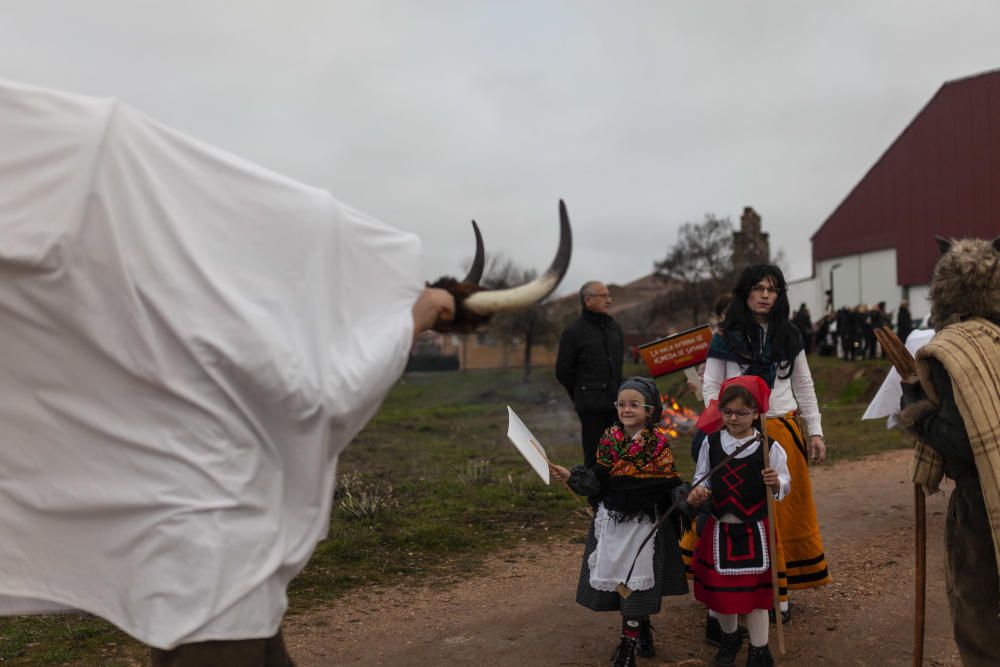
(269, 652)
(592, 425)
(971, 576)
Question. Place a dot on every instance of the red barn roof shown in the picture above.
(940, 176)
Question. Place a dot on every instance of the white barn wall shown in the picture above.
(866, 278)
(809, 292)
(920, 305)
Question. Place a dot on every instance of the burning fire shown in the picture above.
(677, 419)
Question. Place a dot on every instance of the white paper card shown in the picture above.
(526, 443)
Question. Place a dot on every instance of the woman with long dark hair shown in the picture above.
(757, 338)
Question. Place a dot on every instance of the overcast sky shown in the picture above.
(641, 115)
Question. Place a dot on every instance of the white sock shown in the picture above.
(784, 605)
(713, 614)
(757, 625)
(728, 622)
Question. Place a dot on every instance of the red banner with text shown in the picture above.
(678, 351)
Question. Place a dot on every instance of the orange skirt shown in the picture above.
(795, 515)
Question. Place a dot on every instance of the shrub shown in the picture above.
(360, 499)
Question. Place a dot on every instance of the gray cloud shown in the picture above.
(642, 115)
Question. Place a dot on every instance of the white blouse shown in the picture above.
(791, 393)
(777, 456)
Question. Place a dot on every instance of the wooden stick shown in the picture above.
(905, 365)
(896, 350)
(772, 542)
(564, 482)
(920, 592)
(887, 347)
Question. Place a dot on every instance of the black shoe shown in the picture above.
(624, 655)
(759, 656)
(713, 631)
(786, 616)
(731, 643)
(644, 646)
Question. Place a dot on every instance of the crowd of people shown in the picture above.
(849, 332)
(631, 481)
(756, 381)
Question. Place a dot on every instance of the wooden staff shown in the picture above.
(894, 348)
(905, 365)
(772, 542)
(920, 583)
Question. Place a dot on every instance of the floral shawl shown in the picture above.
(646, 455)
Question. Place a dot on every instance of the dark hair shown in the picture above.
(735, 391)
(650, 392)
(721, 304)
(786, 340)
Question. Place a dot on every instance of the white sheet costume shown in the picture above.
(189, 341)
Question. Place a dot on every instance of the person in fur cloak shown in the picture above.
(633, 482)
(952, 408)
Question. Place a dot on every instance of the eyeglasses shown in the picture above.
(634, 405)
(763, 289)
(605, 295)
(729, 412)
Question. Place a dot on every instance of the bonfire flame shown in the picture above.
(677, 419)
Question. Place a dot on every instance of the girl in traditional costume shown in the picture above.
(631, 484)
(732, 563)
(757, 338)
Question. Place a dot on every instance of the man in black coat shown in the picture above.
(589, 365)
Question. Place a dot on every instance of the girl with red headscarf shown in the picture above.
(732, 563)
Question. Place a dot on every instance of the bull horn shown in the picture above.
(479, 261)
(491, 302)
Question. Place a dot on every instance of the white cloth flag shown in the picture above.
(886, 400)
(189, 340)
(527, 444)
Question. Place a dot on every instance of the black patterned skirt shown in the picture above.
(669, 578)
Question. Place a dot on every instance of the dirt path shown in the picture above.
(521, 610)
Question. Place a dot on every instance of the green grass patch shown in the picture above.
(68, 639)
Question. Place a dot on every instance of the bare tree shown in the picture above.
(701, 263)
(533, 326)
(652, 317)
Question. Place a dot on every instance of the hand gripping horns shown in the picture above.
(474, 305)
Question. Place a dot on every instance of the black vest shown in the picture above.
(737, 487)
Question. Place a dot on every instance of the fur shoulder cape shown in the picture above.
(970, 353)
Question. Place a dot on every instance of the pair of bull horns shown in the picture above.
(492, 302)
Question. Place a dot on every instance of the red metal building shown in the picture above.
(941, 176)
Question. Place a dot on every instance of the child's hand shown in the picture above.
(698, 495)
(560, 473)
(771, 480)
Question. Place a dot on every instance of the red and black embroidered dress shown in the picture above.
(732, 563)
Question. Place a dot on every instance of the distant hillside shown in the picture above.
(642, 307)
